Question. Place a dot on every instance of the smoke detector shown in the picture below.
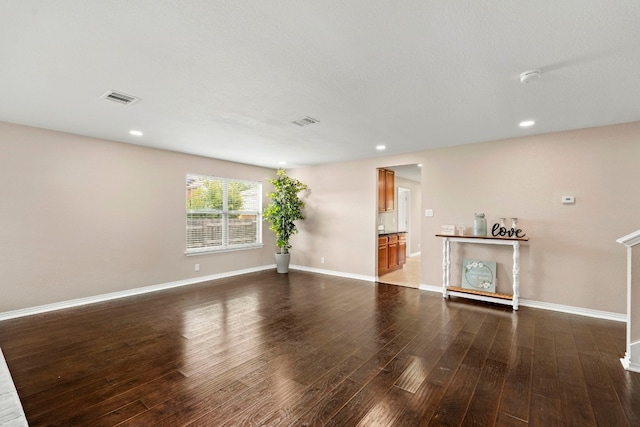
(529, 76)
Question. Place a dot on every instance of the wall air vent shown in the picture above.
(305, 121)
(119, 97)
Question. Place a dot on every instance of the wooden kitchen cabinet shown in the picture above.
(381, 191)
(393, 251)
(383, 255)
(386, 190)
(390, 189)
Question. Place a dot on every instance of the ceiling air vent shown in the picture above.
(119, 97)
(305, 121)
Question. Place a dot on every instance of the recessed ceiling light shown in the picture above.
(381, 147)
(419, 165)
(527, 123)
(282, 162)
(135, 132)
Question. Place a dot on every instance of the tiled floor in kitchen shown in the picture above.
(408, 276)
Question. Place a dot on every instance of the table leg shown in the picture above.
(446, 262)
(516, 273)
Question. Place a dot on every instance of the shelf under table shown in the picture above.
(483, 293)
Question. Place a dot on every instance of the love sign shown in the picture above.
(498, 231)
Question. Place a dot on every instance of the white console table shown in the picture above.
(448, 290)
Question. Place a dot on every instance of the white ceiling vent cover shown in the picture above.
(305, 121)
(119, 97)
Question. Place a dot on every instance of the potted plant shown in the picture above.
(285, 208)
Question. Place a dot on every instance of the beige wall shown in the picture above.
(572, 258)
(340, 219)
(82, 217)
(342, 215)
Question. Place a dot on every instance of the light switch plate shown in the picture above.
(568, 200)
(428, 212)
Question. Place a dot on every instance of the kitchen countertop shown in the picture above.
(388, 232)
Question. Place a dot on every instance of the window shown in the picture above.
(222, 214)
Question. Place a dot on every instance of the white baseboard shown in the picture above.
(333, 273)
(431, 288)
(629, 365)
(607, 315)
(123, 294)
(414, 254)
(599, 314)
(153, 288)
(631, 360)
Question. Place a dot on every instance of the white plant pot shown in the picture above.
(282, 263)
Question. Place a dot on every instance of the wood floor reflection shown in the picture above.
(307, 349)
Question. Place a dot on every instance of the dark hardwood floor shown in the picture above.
(307, 349)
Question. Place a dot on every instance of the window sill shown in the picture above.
(214, 250)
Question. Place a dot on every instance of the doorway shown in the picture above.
(407, 184)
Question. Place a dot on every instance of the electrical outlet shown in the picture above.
(322, 260)
(197, 267)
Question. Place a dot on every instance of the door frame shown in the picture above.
(406, 205)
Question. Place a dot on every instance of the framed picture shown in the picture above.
(448, 230)
(479, 275)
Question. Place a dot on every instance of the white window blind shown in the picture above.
(222, 214)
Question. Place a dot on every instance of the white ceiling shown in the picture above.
(225, 79)
(411, 172)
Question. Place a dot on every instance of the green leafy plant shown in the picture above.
(285, 208)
